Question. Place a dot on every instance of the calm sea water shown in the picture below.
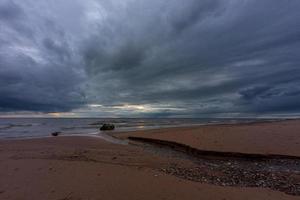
(42, 127)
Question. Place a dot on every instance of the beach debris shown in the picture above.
(107, 127)
(55, 134)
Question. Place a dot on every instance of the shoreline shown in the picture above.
(161, 128)
(81, 167)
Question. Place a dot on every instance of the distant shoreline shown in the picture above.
(19, 128)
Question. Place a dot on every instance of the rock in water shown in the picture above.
(107, 127)
(55, 134)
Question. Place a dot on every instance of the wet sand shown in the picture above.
(91, 168)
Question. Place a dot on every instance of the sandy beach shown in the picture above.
(261, 138)
(90, 168)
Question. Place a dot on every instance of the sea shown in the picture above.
(16, 128)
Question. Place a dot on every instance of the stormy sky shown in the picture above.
(141, 58)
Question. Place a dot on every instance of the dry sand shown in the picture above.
(71, 168)
(261, 138)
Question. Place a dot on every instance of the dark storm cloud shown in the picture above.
(179, 58)
(205, 56)
(10, 11)
(38, 68)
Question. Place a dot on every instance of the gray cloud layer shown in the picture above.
(39, 70)
(180, 58)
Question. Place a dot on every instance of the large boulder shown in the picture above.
(107, 127)
(55, 134)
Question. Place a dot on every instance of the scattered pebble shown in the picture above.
(244, 173)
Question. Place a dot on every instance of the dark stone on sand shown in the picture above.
(55, 134)
(107, 127)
